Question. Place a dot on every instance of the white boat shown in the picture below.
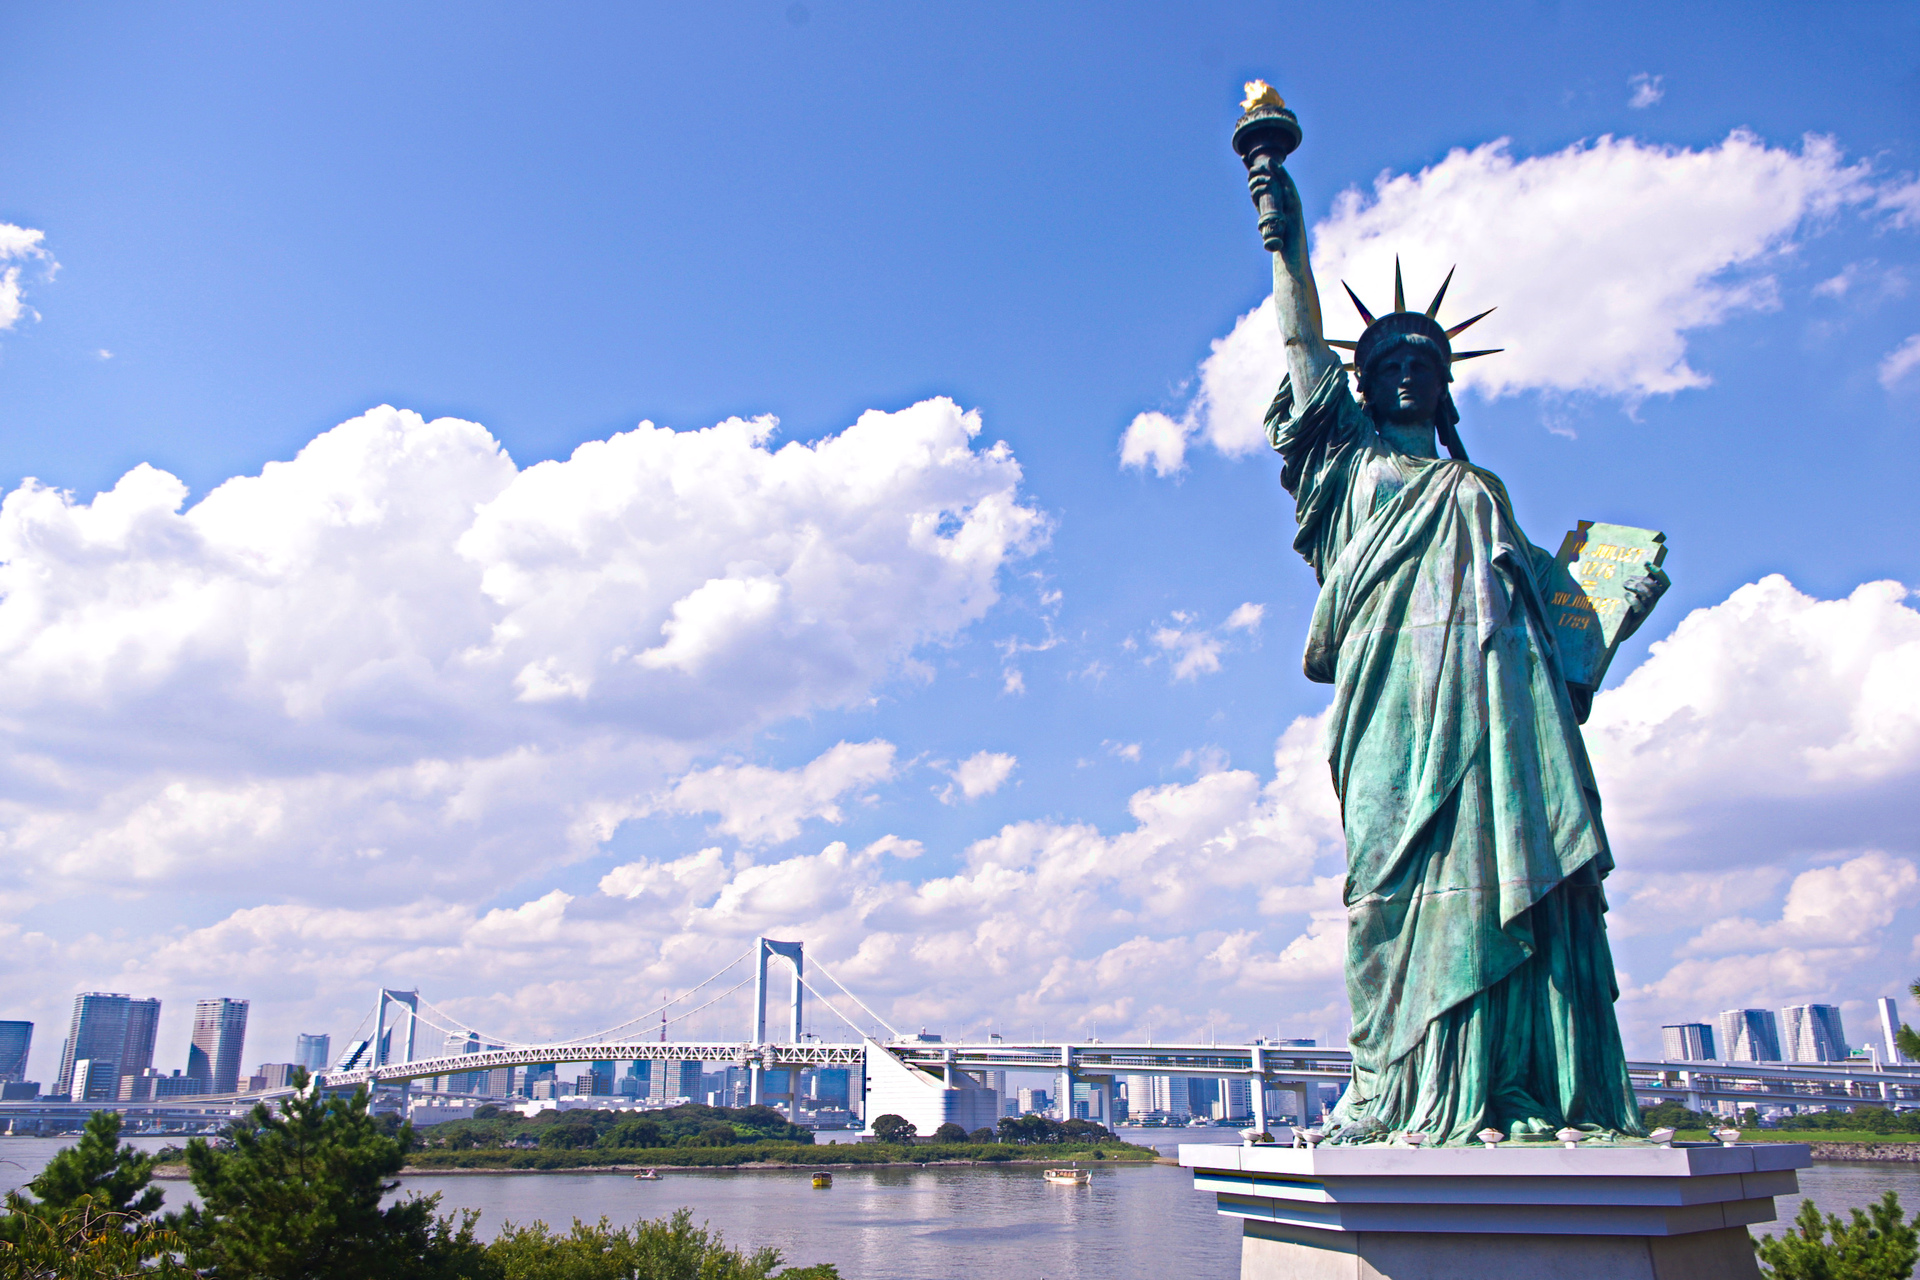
(647, 1175)
(1074, 1177)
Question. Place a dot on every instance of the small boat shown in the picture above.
(647, 1175)
(822, 1180)
(1074, 1177)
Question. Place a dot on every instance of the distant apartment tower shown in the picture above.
(143, 1025)
(97, 1036)
(1032, 1100)
(1687, 1042)
(219, 1034)
(16, 1038)
(1812, 1033)
(1750, 1035)
(312, 1051)
(1890, 1025)
(675, 1080)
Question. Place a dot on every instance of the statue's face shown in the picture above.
(1404, 386)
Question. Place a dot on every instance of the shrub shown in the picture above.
(669, 1248)
(1876, 1245)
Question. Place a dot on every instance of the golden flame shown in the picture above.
(1261, 94)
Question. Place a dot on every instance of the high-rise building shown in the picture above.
(219, 1035)
(274, 1075)
(676, 1080)
(1687, 1042)
(311, 1051)
(16, 1038)
(143, 1025)
(1749, 1035)
(1889, 1028)
(828, 1086)
(98, 1034)
(1812, 1033)
(1032, 1100)
(637, 1081)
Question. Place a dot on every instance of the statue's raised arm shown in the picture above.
(1266, 136)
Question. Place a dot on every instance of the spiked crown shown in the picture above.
(1403, 326)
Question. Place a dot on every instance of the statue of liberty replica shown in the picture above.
(1477, 959)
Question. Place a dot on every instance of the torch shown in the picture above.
(1266, 135)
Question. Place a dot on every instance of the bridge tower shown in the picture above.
(383, 1048)
(763, 948)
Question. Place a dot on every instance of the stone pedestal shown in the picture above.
(1408, 1213)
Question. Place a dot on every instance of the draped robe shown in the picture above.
(1478, 968)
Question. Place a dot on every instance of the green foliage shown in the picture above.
(949, 1132)
(1876, 1245)
(1672, 1115)
(295, 1195)
(807, 1156)
(983, 1135)
(1863, 1118)
(85, 1241)
(1033, 1130)
(98, 1170)
(891, 1128)
(1906, 1040)
(666, 1249)
(494, 1128)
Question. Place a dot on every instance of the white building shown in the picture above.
(1687, 1042)
(1890, 1028)
(927, 1099)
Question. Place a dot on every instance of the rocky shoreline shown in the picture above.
(1866, 1150)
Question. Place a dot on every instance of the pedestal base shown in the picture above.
(1406, 1213)
(1725, 1254)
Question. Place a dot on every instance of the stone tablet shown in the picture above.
(1587, 598)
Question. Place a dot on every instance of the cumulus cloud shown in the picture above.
(980, 774)
(758, 805)
(405, 657)
(1647, 90)
(1601, 258)
(19, 246)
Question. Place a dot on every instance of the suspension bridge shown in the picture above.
(930, 1082)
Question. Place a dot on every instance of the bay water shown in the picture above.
(1139, 1222)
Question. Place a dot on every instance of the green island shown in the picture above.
(692, 1136)
(1865, 1132)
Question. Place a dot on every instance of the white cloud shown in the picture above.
(1842, 905)
(1128, 751)
(399, 654)
(19, 245)
(1647, 90)
(1600, 257)
(1770, 701)
(1247, 617)
(1900, 362)
(1157, 439)
(980, 774)
(758, 805)
(1194, 650)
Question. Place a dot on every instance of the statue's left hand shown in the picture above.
(1644, 592)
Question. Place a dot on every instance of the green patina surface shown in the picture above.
(1478, 967)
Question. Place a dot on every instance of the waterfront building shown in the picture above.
(16, 1039)
(177, 1085)
(1889, 1028)
(1687, 1042)
(95, 1079)
(98, 1034)
(312, 1051)
(274, 1075)
(1749, 1035)
(219, 1034)
(1812, 1033)
(1203, 1097)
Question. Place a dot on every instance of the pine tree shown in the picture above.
(1876, 1245)
(112, 1178)
(296, 1196)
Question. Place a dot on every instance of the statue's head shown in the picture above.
(1404, 361)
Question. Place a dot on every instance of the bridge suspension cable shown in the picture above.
(607, 1033)
(856, 999)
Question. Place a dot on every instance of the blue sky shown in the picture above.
(261, 752)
